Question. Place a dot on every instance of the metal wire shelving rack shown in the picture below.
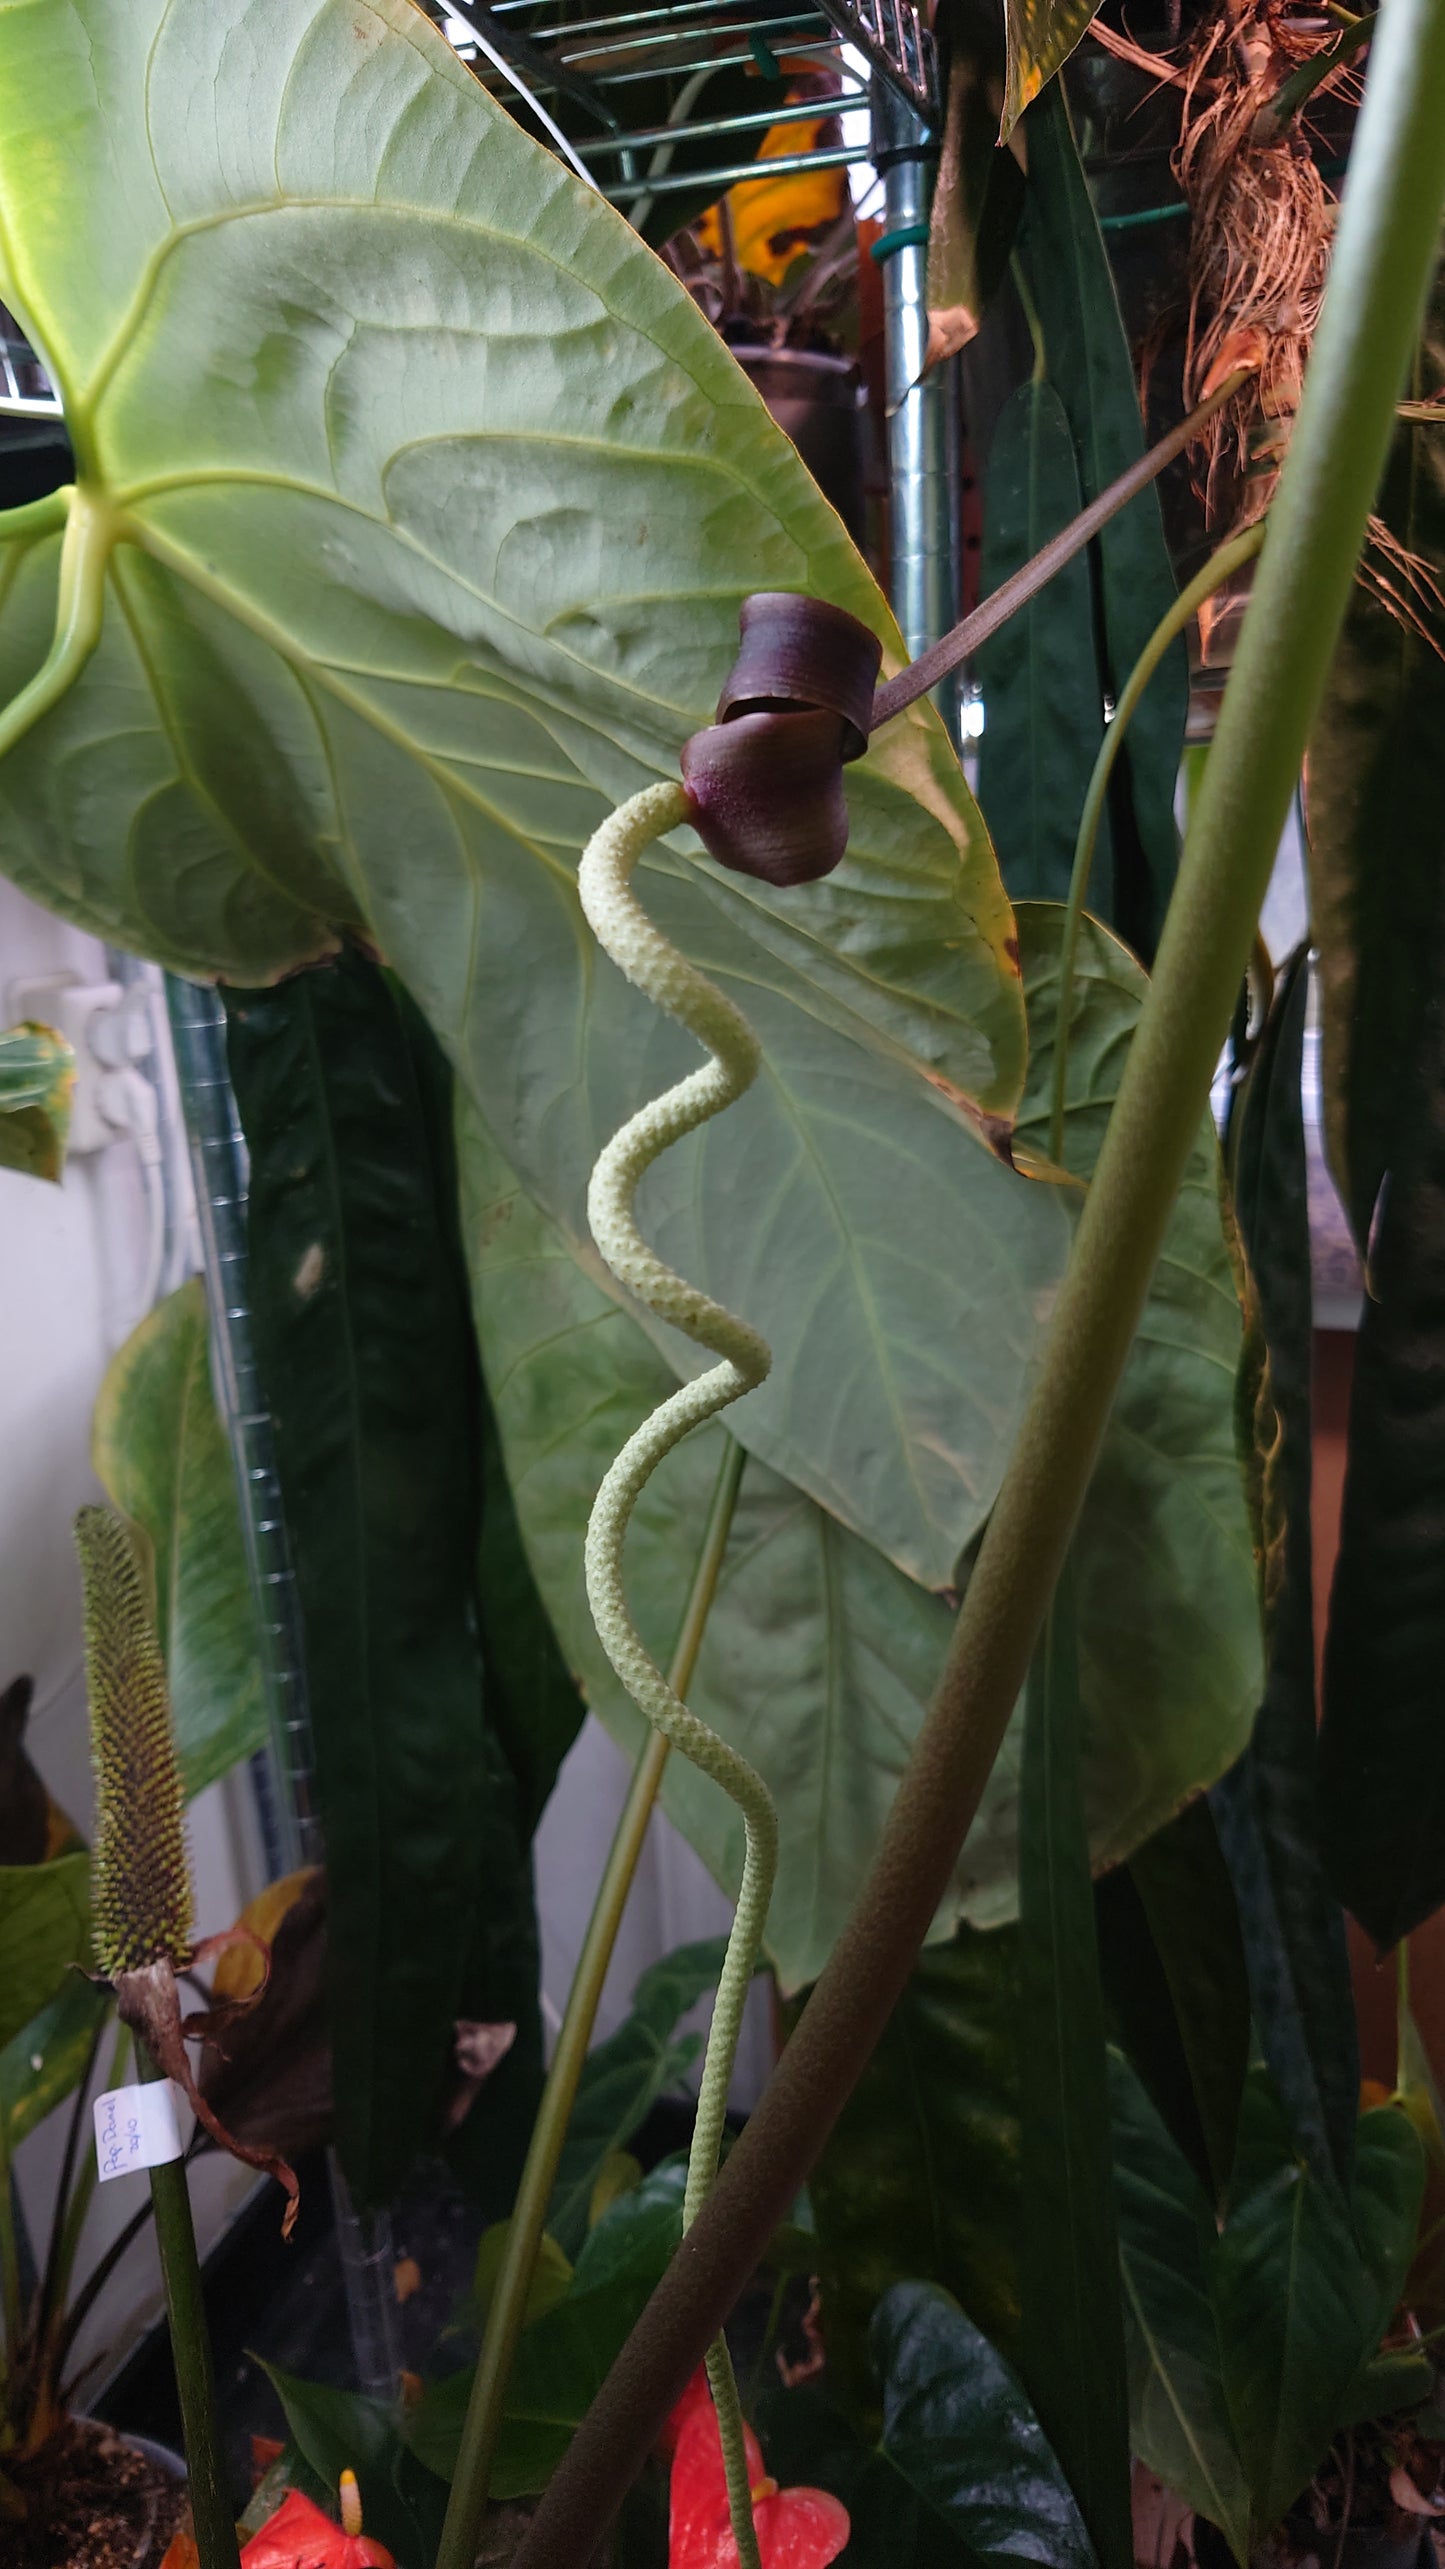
(623, 96)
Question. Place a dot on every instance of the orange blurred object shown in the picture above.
(774, 218)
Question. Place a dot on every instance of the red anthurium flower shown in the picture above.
(299, 2536)
(796, 2528)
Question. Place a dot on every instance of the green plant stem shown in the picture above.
(486, 2408)
(1385, 252)
(45, 516)
(90, 532)
(1230, 557)
(211, 2515)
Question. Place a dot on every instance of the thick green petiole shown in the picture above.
(211, 2512)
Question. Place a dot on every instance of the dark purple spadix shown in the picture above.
(765, 781)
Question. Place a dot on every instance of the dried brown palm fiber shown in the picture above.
(1261, 228)
(1261, 223)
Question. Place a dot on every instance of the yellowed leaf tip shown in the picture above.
(140, 1882)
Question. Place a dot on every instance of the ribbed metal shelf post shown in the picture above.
(284, 1777)
(922, 409)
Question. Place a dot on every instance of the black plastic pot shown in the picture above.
(818, 400)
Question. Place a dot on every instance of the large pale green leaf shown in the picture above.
(820, 1656)
(44, 1929)
(437, 499)
(37, 1076)
(161, 1452)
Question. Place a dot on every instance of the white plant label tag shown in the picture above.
(135, 2127)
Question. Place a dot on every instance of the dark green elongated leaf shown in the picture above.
(37, 1078)
(920, 2177)
(366, 1356)
(959, 2429)
(1298, 2307)
(1140, 2017)
(533, 1700)
(1382, 1756)
(161, 1452)
(1268, 1810)
(386, 634)
(625, 2076)
(40, 2065)
(1090, 369)
(534, 1707)
(1071, 2350)
(1373, 782)
(44, 1929)
(1188, 1901)
(1041, 36)
(1179, 2413)
(565, 2355)
(1042, 690)
(533, 1713)
(402, 2503)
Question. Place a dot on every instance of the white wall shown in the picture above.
(72, 1258)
